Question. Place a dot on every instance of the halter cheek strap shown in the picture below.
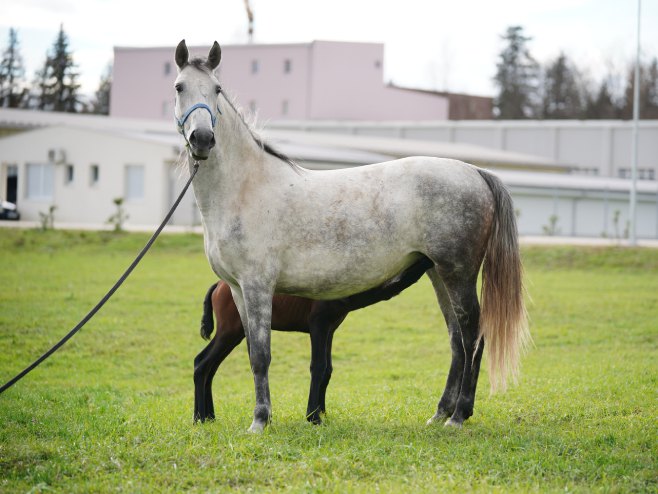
(181, 121)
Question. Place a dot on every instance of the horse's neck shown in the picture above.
(235, 163)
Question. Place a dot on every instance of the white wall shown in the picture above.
(79, 201)
(603, 145)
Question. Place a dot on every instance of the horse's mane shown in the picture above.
(262, 143)
(200, 64)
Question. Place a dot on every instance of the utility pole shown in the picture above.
(636, 117)
(250, 18)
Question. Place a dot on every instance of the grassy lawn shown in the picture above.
(112, 410)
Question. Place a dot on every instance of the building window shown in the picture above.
(378, 64)
(134, 182)
(287, 66)
(69, 174)
(587, 171)
(284, 107)
(167, 108)
(254, 67)
(40, 180)
(94, 175)
(642, 173)
(167, 68)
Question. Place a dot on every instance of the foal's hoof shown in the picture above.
(453, 423)
(256, 427)
(439, 416)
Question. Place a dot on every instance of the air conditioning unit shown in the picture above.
(57, 156)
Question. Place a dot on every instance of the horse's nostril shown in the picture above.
(202, 139)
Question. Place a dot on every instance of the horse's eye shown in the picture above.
(179, 88)
(218, 89)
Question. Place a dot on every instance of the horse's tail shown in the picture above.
(207, 319)
(503, 317)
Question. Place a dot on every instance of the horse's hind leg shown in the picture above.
(324, 320)
(448, 401)
(459, 303)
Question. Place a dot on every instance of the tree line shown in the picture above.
(558, 89)
(526, 89)
(55, 85)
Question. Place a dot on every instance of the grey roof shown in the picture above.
(399, 148)
(348, 150)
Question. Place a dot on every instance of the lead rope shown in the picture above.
(109, 294)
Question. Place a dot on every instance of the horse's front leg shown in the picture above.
(257, 305)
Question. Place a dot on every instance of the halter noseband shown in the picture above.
(181, 121)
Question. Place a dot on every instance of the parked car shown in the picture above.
(8, 211)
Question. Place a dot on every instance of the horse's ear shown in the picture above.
(214, 56)
(182, 55)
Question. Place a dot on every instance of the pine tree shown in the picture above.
(516, 77)
(57, 81)
(648, 91)
(563, 95)
(602, 106)
(101, 101)
(13, 88)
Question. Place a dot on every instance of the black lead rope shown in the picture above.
(109, 294)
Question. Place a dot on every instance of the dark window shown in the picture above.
(287, 66)
(94, 174)
(69, 174)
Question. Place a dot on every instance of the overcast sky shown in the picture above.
(432, 44)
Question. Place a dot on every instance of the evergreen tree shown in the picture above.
(57, 81)
(563, 94)
(101, 101)
(516, 77)
(648, 91)
(602, 106)
(13, 88)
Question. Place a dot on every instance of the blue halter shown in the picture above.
(181, 121)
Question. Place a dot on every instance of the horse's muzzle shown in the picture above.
(201, 142)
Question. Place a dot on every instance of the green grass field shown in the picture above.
(112, 410)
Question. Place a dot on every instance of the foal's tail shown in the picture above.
(207, 319)
(503, 317)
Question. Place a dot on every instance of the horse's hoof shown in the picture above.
(453, 423)
(256, 427)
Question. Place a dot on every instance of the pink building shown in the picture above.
(321, 80)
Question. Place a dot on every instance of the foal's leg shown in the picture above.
(466, 309)
(324, 319)
(255, 300)
(327, 374)
(206, 365)
(448, 401)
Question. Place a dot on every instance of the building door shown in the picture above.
(11, 183)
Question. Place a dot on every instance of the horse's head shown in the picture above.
(197, 99)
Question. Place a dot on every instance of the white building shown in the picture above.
(81, 163)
